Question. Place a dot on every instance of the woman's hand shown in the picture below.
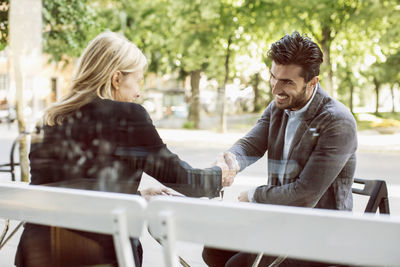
(151, 192)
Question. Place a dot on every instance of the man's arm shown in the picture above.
(254, 144)
(335, 147)
(246, 150)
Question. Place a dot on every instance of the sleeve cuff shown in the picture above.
(250, 194)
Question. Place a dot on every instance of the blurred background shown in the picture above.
(207, 58)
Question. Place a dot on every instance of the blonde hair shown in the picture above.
(105, 54)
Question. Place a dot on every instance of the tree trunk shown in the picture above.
(377, 89)
(256, 103)
(393, 102)
(23, 146)
(25, 42)
(326, 65)
(221, 90)
(194, 102)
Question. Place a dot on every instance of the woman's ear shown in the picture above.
(116, 79)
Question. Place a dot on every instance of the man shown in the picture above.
(311, 141)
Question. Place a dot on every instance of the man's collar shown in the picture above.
(319, 98)
(300, 112)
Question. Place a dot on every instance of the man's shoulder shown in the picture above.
(324, 104)
(336, 109)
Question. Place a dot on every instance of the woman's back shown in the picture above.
(113, 141)
(86, 145)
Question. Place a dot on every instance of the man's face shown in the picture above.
(289, 89)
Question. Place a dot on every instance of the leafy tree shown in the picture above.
(177, 36)
(228, 32)
(68, 25)
(381, 47)
(393, 75)
(262, 25)
(386, 73)
(193, 38)
(324, 20)
(349, 65)
(241, 30)
(4, 7)
(390, 46)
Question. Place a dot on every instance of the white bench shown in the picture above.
(120, 215)
(321, 235)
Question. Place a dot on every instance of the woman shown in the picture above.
(96, 132)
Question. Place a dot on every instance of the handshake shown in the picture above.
(226, 161)
(229, 166)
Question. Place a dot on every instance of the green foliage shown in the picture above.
(386, 122)
(188, 125)
(179, 36)
(390, 115)
(67, 27)
(194, 33)
(4, 7)
(364, 125)
(388, 71)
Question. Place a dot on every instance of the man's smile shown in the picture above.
(282, 97)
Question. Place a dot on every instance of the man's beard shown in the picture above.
(300, 100)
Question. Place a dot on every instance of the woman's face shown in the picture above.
(126, 86)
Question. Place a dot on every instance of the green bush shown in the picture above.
(188, 125)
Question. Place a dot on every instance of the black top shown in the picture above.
(110, 143)
(113, 141)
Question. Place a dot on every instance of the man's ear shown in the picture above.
(116, 79)
(314, 81)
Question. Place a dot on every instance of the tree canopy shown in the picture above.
(359, 38)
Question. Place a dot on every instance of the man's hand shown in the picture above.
(151, 192)
(229, 166)
(243, 197)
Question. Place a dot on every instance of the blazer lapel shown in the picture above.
(276, 148)
(275, 145)
(306, 118)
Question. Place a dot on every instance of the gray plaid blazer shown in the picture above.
(321, 161)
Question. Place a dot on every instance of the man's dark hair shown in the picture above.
(298, 50)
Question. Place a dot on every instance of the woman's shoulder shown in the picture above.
(118, 110)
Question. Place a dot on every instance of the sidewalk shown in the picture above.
(367, 140)
(373, 141)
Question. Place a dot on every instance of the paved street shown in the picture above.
(378, 157)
